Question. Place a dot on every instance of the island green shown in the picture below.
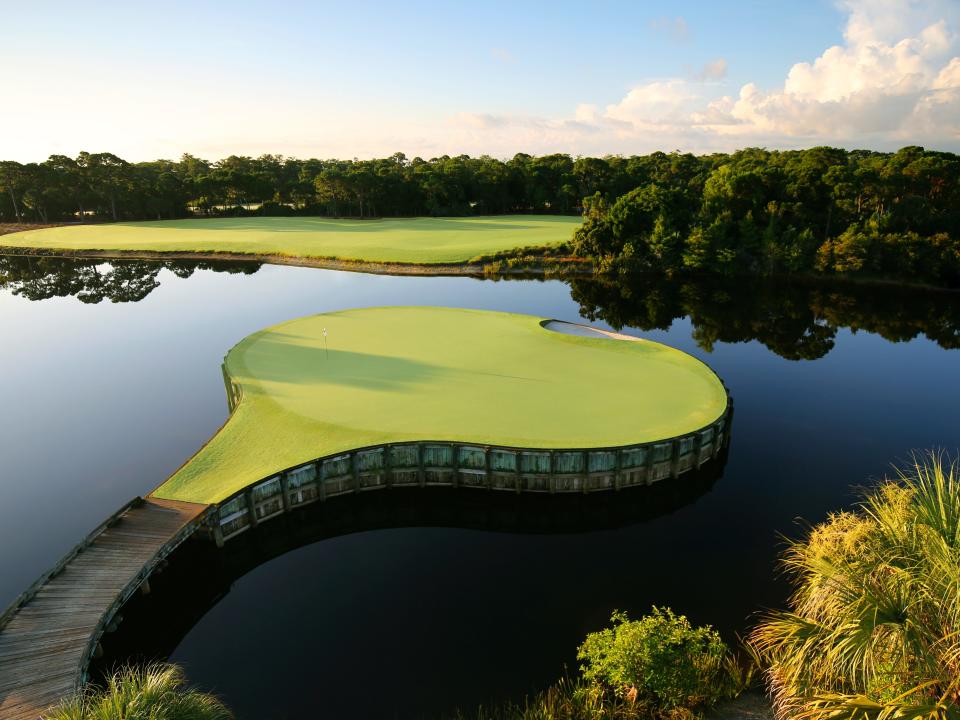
(334, 382)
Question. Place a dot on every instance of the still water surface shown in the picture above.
(409, 614)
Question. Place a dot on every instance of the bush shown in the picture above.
(660, 662)
(656, 667)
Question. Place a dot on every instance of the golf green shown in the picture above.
(406, 240)
(338, 381)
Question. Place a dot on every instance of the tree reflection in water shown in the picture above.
(93, 281)
(796, 319)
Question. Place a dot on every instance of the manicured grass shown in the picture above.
(406, 240)
(401, 374)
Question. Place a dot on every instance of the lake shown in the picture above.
(408, 604)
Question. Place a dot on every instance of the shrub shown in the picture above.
(660, 662)
(873, 629)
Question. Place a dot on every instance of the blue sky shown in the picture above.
(368, 78)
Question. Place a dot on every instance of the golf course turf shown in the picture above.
(334, 382)
(420, 241)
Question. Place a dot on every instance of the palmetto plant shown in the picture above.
(873, 630)
(155, 692)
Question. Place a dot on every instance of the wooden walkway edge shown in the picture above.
(51, 632)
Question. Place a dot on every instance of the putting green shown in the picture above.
(408, 240)
(406, 373)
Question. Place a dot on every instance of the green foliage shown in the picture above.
(660, 661)
(873, 629)
(156, 692)
(822, 210)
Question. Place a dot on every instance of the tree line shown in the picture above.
(102, 186)
(823, 210)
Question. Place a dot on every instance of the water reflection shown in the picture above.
(795, 319)
(198, 576)
(92, 282)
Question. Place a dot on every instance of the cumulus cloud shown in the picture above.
(874, 88)
(664, 102)
(894, 80)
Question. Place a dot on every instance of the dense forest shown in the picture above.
(823, 210)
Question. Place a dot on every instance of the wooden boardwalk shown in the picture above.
(48, 636)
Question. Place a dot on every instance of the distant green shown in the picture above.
(407, 374)
(403, 240)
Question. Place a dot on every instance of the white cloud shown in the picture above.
(895, 80)
(874, 89)
(663, 102)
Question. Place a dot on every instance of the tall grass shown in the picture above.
(568, 699)
(873, 629)
(155, 692)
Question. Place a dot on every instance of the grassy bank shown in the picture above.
(422, 241)
(406, 374)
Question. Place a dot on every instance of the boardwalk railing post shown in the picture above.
(552, 477)
(675, 457)
(617, 462)
(285, 491)
(648, 461)
(251, 510)
(518, 478)
(388, 465)
(455, 464)
(355, 470)
(421, 473)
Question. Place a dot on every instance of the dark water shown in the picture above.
(408, 605)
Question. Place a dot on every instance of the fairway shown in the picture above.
(404, 374)
(425, 241)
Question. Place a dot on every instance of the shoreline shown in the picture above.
(564, 267)
(494, 265)
(572, 265)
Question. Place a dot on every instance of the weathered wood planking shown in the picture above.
(49, 635)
